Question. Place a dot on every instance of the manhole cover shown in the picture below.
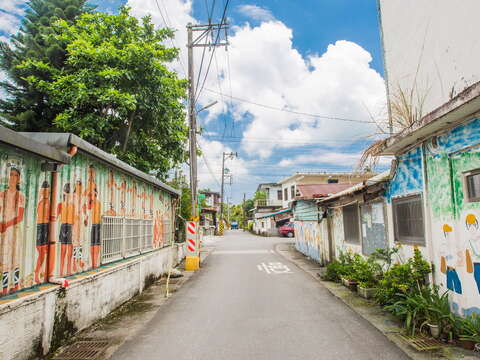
(83, 350)
(421, 343)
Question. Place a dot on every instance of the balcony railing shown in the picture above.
(267, 202)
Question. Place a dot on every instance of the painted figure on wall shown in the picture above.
(123, 197)
(447, 265)
(79, 222)
(157, 230)
(133, 199)
(43, 218)
(95, 208)
(12, 207)
(473, 254)
(112, 187)
(66, 212)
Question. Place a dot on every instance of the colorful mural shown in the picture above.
(87, 191)
(311, 239)
(455, 227)
(408, 175)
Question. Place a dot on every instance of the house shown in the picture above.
(290, 183)
(264, 221)
(310, 228)
(74, 214)
(356, 218)
(433, 198)
(209, 212)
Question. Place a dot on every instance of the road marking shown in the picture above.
(275, 268)
(237, 252)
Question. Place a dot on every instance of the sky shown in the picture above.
(299, 88)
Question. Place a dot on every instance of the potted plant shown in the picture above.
(367, 273)
(469, 332)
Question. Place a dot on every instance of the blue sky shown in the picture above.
(320, 60)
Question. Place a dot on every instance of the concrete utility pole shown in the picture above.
(211, 40)
(208, 31)
(243, 212)
(225, 156)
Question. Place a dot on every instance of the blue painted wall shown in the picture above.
(408, 176)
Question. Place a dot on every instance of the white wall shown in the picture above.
(437, 38)
(28, 322)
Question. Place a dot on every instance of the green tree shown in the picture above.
(27, 108)
(115, 89)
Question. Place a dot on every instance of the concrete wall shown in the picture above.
(430, 46)
(35, 324)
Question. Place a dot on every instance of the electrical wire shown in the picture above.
(292, 111)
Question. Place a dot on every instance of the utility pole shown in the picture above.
(212, 32)
(225, 156)
(207, 38)
(243, 212)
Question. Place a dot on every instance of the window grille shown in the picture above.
(124, 237)
(292, 192)
(351, 225)
(167, 233)
(286, 193)
(472, 186)
(279, 195)
(408, 220)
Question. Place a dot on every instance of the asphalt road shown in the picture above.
(248, 302)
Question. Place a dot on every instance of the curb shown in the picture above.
(444, 352)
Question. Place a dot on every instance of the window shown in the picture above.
(408, 220)
(279, 195)
(472, 186)
(332, 181)
(124, 237)
(292, 191)
(351, 224)
(285, 192)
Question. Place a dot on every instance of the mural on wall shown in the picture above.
(408, 175)
(87, 191)
(308, 238)
(373, 227)
(455, 227)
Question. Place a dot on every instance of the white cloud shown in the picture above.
(256, 12)
(334, 158)
(9, 23)
(13, 6)
(266, 69)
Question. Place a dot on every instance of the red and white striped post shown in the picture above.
(192, 246)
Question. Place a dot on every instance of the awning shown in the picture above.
(275, 213)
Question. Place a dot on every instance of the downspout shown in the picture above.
(51, 254)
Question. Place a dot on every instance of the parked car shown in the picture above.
(287, 230)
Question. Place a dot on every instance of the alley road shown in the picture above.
(248, 302)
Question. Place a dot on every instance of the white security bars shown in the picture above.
(125, 237)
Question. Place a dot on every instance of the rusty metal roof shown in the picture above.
(315, 191)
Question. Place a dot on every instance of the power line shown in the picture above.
(292, 111)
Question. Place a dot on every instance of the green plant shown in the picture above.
(402, 279)
(385, 256)
(334, 271)
(469, 328)
(411, 308)
(366, 272)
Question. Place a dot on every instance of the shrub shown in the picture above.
(401, 279)
(366, 272)
(334, 271)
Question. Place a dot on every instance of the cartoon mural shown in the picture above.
(308, 239)
(455, 226)
(87, 191)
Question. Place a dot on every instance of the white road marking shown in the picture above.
(237, 252)
(275, 268)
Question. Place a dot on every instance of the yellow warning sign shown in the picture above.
(194, 218)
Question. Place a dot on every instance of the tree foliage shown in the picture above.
(27, 108)
(115, 89)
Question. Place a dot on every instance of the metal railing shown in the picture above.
(268, 202)
(124, 237)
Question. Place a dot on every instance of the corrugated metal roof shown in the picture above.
(313, 191)
(384, 176)
(20, 141)
(275, 213)
(62, 141)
